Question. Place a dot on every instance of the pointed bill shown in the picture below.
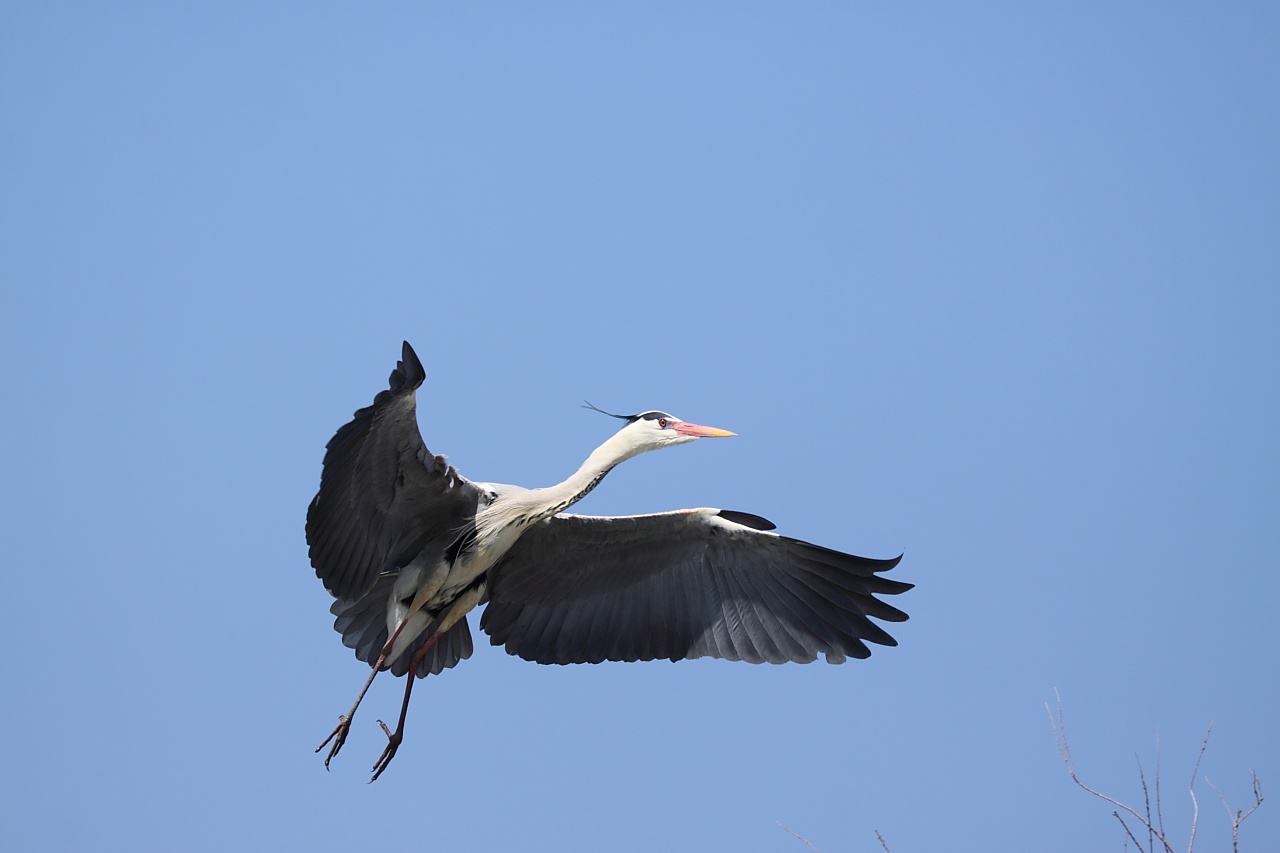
(699, 431)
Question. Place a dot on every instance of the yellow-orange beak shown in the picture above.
(699, 431)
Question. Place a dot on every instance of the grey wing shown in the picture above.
(686, 584)
(382, 493)
(362, 623)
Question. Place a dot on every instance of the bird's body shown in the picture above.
(409, 547)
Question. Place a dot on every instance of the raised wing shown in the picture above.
(686, 584)
(382, 495)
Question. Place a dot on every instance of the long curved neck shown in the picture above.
(579, 484)
(512, 514)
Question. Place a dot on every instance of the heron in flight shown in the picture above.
(409, 547)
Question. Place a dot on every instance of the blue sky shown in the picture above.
(993, 285)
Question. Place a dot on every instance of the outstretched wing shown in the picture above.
(382, 495)
(686, 584)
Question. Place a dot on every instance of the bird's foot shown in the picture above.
(393, 743)
(338, 736)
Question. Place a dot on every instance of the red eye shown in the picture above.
(662, 422)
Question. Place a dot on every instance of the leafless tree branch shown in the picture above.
(1238, 816)
(1159, 812)
(1155, 827)
(797, 835)
(1064, 750)
(1128, 832)
(1191, 789)
(1146, 797)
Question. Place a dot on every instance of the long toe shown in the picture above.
(388, 753)
(338, 736)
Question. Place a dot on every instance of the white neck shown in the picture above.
(619, 448)
(526, 508)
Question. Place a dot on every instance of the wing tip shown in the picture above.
(409, 373)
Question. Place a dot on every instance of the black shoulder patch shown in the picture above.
(746, 519)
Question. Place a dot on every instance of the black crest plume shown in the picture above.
(627, 418)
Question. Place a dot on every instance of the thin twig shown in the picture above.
(1222, 799)
(1146, 797)
(1064, 750)
(1159, 812)
(797, 835)
(1257, 795)
(1231, 815)
(1237, 816)
(1127, 832)
(1191, 789)
(1155, 829)
(880, 838)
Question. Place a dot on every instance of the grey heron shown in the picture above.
(408, 547)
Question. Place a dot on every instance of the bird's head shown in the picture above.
(653, 429)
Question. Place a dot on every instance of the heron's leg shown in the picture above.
(339, 734)
(394, 738)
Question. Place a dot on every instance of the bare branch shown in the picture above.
(1146, 797)
(880, 838)
(1238, 816)
(1191, 789)
(1064, 750)
(1127, 832)
(797, 835)
(1257, 795)
(1159, 812)
(1231, 816)
(1155, 827)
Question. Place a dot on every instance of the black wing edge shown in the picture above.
(868, 568)
(408, 374)
(746, 519)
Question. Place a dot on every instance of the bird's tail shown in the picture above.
(362, 622)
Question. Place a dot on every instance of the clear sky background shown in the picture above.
(996, 286)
